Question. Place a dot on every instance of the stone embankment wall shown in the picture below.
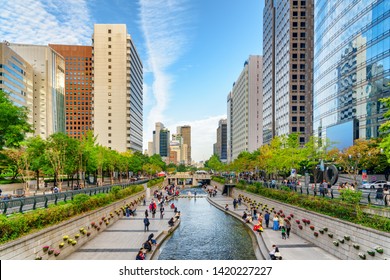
(31, 246)
(342, 239)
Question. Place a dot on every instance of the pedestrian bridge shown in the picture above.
(188, 177)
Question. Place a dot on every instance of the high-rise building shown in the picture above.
(351, 69)
(118, 83)
(287, 68)
(156, 138)
(78, 88)
(220, 148)
(164, 142)
(229, 127)
(185, 132)
(245, 109)
(49, 82)
(16, 79)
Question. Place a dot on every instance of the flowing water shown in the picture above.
(206, 233)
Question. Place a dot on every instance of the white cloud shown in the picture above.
(163, 24)
(45, 21)
(203, 135)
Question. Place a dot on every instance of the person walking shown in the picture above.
(288, 228)
(162, 212)
(146, 224)
(275, 222)
(266, 218)
(146, 213)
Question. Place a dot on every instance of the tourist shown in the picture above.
(147, 245)
(127, 211)
(275, 253)
(288, 227)
(235, 202)
(227, 207)
(140, 255)
(281, 222)
(146, 213)
(146, 223)
(171, 222)
(283, 230)
(275, 220)
(150, 238)
(260, 218)
(162, 212)
(266, 218)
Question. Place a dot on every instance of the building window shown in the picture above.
(295, 24)
(295, 14)
(294, 97)
(303, 45)
(302, 56)
(302, 66)
(109, 31)
(294, 77)
(302, 77)
(303, 3)
(302, 98)
(303, 24)
(302, 108)
(301, 119)
(294, 129)
(303, 14)
(301, 139)
(109, 46)
(294, 119)
(302, 87)
(295, 66)
(303, 34)
(295, 34)
(109, 128)
(294, 108)
(294, 87)
(294, 55)
(109, 39)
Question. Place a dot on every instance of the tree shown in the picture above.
(214, 163)
(38, 161)
(13, 123)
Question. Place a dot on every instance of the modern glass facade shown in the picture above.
(351, 66)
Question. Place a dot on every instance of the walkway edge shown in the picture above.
(161, 239)
(261, 248)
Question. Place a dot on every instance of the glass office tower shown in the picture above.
(351, 69)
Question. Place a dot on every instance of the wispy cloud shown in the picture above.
(45, 21)
(203, 135)
(164, 25)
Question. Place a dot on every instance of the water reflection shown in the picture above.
(206, 233)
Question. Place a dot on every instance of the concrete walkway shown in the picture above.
(123, 239)
(293, 248)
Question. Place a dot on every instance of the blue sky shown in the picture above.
(192, 51)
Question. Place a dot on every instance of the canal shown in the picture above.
(206, 233)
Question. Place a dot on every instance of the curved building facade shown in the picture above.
(351, 69)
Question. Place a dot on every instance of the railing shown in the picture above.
(42, 201)
(368, 197)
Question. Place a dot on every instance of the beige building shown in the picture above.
(118, 89)
(16, 78)
(185, 132)
(244, 124)
(48, 86)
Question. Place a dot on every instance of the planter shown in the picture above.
(45, 248)
(88, 233)
(38, 258)
(316, 234)
(50, 251)
(330, 235)
(56, 253)
(300, 227)
(65, 237)
(77, 236)
(312, 227)
(321, 231)
(325, 229)
(362, 256)
(379, 250)
(356, 246)
(341, 240)
(62, 244)
(371, 253)
(347, 237)
(336, 243)
(298, 221)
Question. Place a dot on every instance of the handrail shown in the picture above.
(23, 204)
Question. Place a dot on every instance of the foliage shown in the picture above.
(214, 163)
(17, 225)
(155, 181)
(351, 196)
(335, 208)
(13, 123)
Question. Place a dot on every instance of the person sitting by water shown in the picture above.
(171, 222)
(244, 216)
(275, 254)
(140, 255)
(150, 238)
(147, 245)
(227, 207)
(177, 215)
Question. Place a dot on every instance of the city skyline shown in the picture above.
(176, 40)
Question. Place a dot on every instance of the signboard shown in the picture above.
(364, 176)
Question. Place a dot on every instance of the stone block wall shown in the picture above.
(338, 231)
(31, 246)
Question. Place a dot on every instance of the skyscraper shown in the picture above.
(351, 69)
(221, 144)
(245, 109)
(49, 82)
(164, 142)
(287, 68)
(156, 138)
(118, 82)
(185, 132)
(78, 88)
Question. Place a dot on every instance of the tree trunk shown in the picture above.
(37, 172)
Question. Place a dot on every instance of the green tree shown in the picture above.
(35, 151)
(214, 163)
(13, 122)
